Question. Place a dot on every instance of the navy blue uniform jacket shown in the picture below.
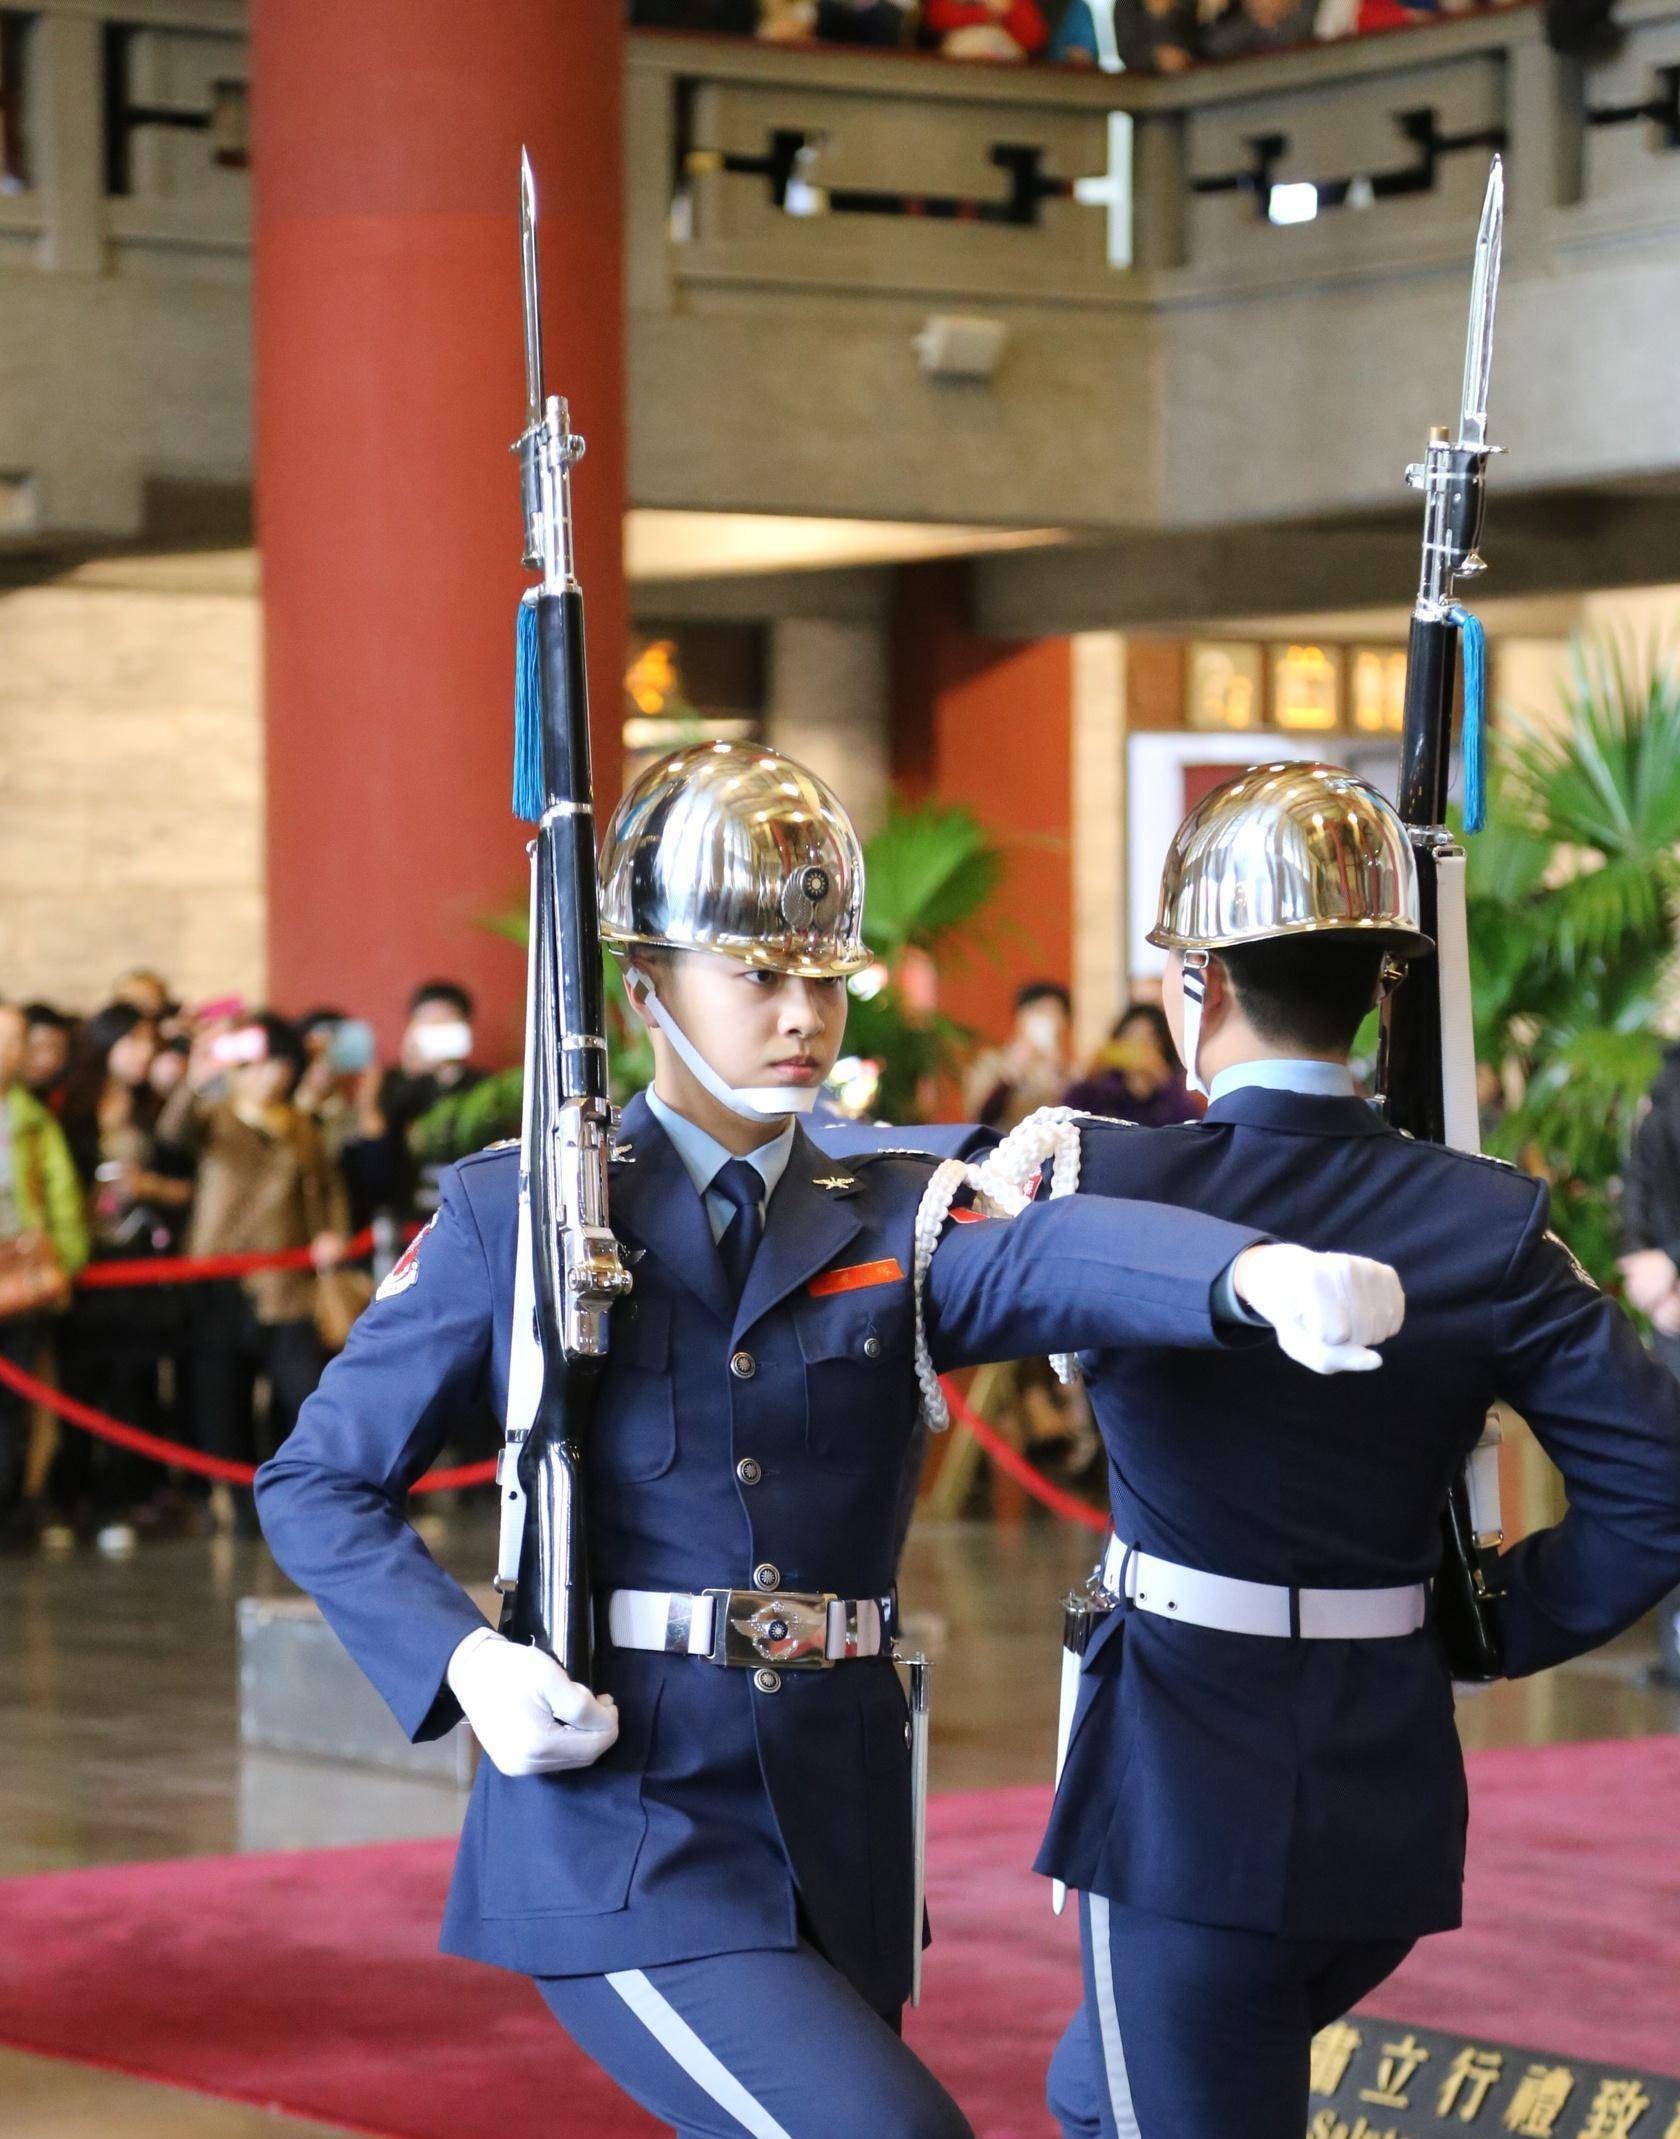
(721, 1808)
(1317, 1787)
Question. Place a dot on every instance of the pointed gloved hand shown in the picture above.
(530, 1718)
(1328, 1310)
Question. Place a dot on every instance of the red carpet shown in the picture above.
(309, 1980)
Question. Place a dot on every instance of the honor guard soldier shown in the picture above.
(1263, 1802)
(706, 1863)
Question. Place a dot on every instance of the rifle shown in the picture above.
(568, 1271)
(1427, 1064)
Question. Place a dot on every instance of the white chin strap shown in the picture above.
(750, 1102)
(1194, 983)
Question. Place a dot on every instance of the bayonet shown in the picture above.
(1452, 472)
(548, 448)
(1484, 293)
(533, 293)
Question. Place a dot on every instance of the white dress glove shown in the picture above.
(530, 1718)
(1327, 1310)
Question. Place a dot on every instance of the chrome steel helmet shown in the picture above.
(1290, 850)
(732, 847)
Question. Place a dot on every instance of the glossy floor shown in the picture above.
(119, 1712)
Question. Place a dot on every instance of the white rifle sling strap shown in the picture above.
(1462, 1118)
(1458, 1036)
(525, 1361)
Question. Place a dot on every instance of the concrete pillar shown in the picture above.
(829, 707)
(385, 164)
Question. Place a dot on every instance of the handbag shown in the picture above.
(340, 1296)
(32, 1281)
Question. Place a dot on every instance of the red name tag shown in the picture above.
(855, 1277)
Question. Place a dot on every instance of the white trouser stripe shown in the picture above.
(668, 2027)
(1108, 2019)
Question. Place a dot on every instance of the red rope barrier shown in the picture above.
(180, 1457)
(1011, 1460)
(191, 1459)
(184, 1269)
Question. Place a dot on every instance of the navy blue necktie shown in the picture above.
(742, 1186)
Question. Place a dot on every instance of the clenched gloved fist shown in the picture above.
(1327, 1310)
(530, 1718)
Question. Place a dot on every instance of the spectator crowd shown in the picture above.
(1143, 36)
(156, 1129)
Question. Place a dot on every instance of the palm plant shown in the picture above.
(929, 871)
(1573, 890)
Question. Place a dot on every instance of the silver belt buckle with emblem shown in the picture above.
(786, 1629)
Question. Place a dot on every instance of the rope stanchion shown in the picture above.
(186, 1269)
(1011, 1461)
(179, 1457)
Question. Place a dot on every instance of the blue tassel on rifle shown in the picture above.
(1475, 717)
(527, 719)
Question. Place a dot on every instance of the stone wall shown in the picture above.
(131, 780)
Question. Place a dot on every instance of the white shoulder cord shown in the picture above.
(1000, 1185)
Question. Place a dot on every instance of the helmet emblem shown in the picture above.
(814, 884)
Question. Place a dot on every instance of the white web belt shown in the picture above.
(1235, 1607)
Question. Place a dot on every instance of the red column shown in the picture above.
(390, 383)
(989, 723)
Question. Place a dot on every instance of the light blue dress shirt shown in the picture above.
(1327, 1080)
(702, 1156)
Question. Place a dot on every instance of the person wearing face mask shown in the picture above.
(436, 1063)
(263, 1183)
(717, 1836)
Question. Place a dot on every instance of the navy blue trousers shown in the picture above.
(777, 2045)
(1195, 2031)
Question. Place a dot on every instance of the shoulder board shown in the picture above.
(893, 1151)
(490, 1151)
(1474, 1158)
(1574, 1261)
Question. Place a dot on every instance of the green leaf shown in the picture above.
(1572, 891)
(928, 872)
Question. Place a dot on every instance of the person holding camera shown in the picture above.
(265, 1184)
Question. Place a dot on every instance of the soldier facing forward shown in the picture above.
(706, 1865)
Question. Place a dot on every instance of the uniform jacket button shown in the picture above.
(767, 1576)
(749, 1470)
(871, 1347)
(768, 1681)
(743, 1366)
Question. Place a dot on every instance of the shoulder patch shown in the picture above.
(405, 1271)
